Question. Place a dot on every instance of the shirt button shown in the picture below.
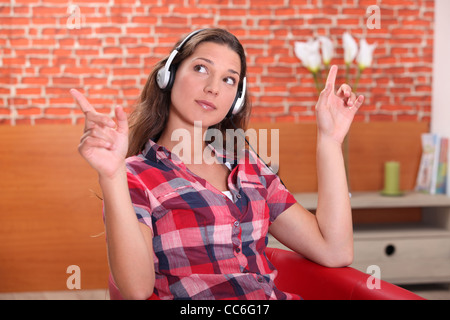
(238, 250)
(236, 223)
(260, 279)
(238, 196)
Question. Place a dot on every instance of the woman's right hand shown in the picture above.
(104, 144)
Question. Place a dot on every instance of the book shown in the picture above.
(432, 175)
(442, 168)
(423, 181)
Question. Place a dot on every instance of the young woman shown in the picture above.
(183, 229)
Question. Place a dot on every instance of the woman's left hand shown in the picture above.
(335, 111)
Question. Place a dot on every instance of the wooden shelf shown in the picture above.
(405, 252)
(398, 231)
(370, 200)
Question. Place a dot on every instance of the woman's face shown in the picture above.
(206, 84)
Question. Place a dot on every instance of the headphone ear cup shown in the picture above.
(237, 105)
(239, 100)
(173, 71)
(160, 78)
(162, 75)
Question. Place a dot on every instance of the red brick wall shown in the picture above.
(118, 41)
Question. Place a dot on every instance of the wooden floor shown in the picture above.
(430, 292)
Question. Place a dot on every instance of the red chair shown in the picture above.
(314, 282)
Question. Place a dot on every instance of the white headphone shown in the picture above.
(166, 77)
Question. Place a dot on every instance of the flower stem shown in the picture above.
(347, 73)
(316, 81)
(360, 70)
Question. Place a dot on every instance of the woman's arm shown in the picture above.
(130, 247)
(327, 236)
(130, 251)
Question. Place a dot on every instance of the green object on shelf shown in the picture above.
(392, 179)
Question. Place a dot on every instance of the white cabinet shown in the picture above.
(405, 253)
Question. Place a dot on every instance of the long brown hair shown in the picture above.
(149, 118)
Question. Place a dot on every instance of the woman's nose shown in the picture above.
(212, 87)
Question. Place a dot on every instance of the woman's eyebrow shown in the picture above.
(212, 63)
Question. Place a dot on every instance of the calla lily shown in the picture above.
(350, 48)
(364, 58)
(327, 47)
(365, 55)
(308, 53)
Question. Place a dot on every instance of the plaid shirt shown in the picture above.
(207, 246)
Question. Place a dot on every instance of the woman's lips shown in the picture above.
(206, 104)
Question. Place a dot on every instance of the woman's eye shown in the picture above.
(200, 68)
(230, 80)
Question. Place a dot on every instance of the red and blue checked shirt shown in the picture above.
(207, 246)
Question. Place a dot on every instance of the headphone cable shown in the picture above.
(248, 143)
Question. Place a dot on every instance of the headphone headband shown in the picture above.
(164, 74)
(190, 35)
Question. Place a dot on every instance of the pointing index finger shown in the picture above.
(85, 106)
(332, 76)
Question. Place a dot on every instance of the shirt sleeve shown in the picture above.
(139, 197)
(278, 196)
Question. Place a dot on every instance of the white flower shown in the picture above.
(308, 53)
(350, 48)
(327, 47)
(365, 55)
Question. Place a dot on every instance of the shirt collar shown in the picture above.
(224, 156)
(155, 152)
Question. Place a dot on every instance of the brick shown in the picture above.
(52, 120)
(141, 50)
(108, 30)
(29, 111)
(14, 61)
(49, 11)
(58, 111)
(267, 110)
(112, 50)
(144, 20)
(35, 80)
(82, 70)
(126, 71)
(49, 70)
(28, 91)
(91, 81)
(70, 81)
